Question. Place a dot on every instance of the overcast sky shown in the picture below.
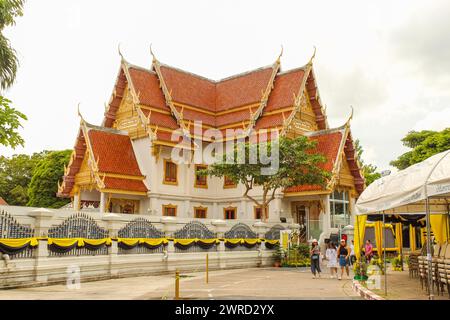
(390, 60)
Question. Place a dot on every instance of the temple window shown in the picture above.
(339, 209)
(170, 172)
(200, 180)
(229, 213)
(123, 206)
(257, 210)
(169, 210)
(200, 212)
(228, 183)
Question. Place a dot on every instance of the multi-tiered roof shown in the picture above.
(154, 102)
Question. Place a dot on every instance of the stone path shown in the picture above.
(255, 283)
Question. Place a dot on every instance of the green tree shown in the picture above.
(9, 117)
(44, 183)
(15, 175)
(369, 170)
(9, 11)
(9, 124)
(424, 144)
(298, 165)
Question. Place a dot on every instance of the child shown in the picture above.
(331, 255)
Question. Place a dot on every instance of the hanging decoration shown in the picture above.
(63, 245)
(14, 246)
(150, 243)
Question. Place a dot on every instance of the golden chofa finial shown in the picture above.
(312, 57)
(120, 52)
(151, 52)
(281, 53)
(350, 117)
(79, 112)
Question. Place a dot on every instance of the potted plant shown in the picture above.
(278, 255)
(397, 263)
(360, 270)
(376, 261)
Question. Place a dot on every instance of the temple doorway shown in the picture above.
(301, 217)
(307, 215)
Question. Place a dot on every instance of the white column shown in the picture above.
(275, 209)
(187, 209)
(76, 201)
(244, 210)
(186, 172)
(352, 210)
(326, 222)
(215, 213)
(102, 206)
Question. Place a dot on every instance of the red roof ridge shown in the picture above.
(134, 66)
(90, 126)
(325, 131)
(187, 72)
(245, 73)
(303, 68)
(213, 81)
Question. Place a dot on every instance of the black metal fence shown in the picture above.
(78, 225)
(240, 231)
(11, 229)
(140, 228)
(195, 230)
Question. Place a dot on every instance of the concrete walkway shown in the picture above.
(256, 283)
(401, 287)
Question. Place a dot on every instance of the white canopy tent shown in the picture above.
(427, 179)
(416, 185)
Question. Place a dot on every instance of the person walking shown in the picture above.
(315, 258)
(368, 251)
(331, 255)
(352, 253)
(343, 254)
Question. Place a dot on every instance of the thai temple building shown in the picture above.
(124, 165)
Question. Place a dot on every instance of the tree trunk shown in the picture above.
(264, 206)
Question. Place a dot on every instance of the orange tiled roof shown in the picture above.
(115, 153)
(189, 89)
(146, 83)
(125, 184)
(216, 103)
(285, 86)
(3, 202)
(328, 144)
(242, 89)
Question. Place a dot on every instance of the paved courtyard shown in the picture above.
(401, 287)
(255, 283)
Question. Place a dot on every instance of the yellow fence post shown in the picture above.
(177, 285)
(207, 268)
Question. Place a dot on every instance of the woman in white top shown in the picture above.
(331, 255)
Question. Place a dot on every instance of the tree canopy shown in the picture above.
(9, 117)
(9, 10)
(44, 183)
(9, 124)
(15, 176)
(298, 164)
(424, 144)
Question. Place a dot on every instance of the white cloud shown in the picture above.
(436, 120)
(368, 56)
